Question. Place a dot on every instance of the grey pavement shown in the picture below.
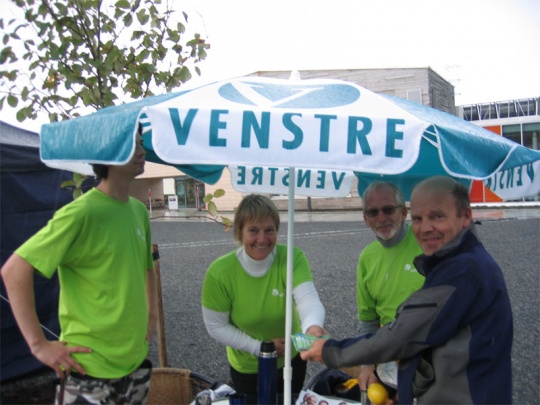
(332, 241)
(331, 213)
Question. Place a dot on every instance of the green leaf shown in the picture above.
(185, 74)
(148, 67)
(207, 198)
(226, 221)
(62, 9)
(78, 179)
(67, 183)
(12, 100)
(118, 13)
(173, 35)
(135, 5)
(7, 53)
(128, 20)
(24, 93)
(21, 115)
(137, 34)
(212, 209)
(124, 4)
(219, 193)
(142, 17)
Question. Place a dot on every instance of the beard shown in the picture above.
(387, 235)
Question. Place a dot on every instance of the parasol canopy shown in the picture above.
(323, 125)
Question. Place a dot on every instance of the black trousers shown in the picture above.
(247, 383)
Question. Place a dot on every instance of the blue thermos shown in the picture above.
(267, 387)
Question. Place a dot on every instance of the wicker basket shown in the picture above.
(353, 371)
(170, 386)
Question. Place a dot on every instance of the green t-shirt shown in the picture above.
(256, 304)
(102, 250)
(386, 277)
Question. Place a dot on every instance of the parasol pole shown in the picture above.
(287, 370)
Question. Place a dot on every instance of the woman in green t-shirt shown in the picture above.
(243, 297)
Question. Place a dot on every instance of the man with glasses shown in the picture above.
(386, 272)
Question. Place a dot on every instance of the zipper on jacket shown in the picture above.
(414, 306)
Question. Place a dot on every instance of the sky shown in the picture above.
(489, 49)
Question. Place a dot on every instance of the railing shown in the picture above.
(502, 109)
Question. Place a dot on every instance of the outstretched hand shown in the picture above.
(316, 330)
(57, 355)
(314, 353)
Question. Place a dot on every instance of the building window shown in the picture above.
(527, 107)
(502, 109)
(488, 111)
(415, 95)
(470, 113)
(531, 135)
(512, 132)
(506, 109)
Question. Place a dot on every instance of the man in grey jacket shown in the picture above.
(453, 337)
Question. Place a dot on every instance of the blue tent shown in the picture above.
(30, 193)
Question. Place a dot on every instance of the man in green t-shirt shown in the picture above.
(386, 273)
(100, 244)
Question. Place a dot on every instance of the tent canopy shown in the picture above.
(30, 194)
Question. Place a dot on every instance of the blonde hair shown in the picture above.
(254, 208)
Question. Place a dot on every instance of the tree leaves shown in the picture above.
(92, 55)
(75, 185)
(211, 208)
(81, 55)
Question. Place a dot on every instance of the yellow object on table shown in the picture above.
(347, 385)
(377, 394)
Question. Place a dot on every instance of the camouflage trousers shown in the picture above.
(131, 389)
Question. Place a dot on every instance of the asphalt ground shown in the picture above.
(332, 242)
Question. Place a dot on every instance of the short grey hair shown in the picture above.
(447, 185)
(378, 185)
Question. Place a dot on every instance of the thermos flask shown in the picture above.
(267, 387)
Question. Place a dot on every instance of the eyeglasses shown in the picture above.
(388, 210)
